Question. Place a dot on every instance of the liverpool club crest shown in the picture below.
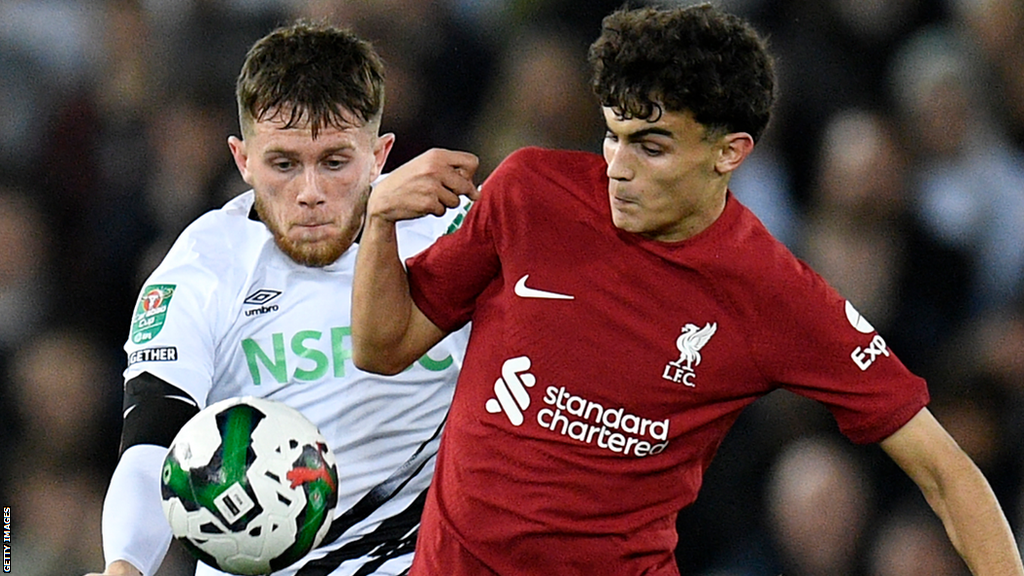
(689, 344)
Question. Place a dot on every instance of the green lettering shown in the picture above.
(436, 365)
(278, 367)
(338, 350)
(318, 357)
(457, 222)
(341, 352)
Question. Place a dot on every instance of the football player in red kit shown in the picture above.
(624, 311)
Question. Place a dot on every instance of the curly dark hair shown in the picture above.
(310, 71)
(697, 59)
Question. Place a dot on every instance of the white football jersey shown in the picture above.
(228, 314)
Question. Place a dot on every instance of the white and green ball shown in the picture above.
(249, 486)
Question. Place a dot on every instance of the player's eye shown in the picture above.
(335, 163)
(282, 165)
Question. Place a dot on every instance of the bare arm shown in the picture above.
(958, 493)
(389, 332)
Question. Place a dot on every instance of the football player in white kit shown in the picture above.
(254, 299)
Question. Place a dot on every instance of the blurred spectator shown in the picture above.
(28, 101)
(63, 390)
(27, 293)
(831, 56)
(912, 542)
(26, 283)
(48, 54)
(853, 237)
(91, 165)
(727, 531)
(194, 43)
(819, 503)
(997, 349)
(542, 97)
(58, 514)
(190, 172)
(968, 176)
(995, 28)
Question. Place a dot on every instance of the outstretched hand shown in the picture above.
(430, 183)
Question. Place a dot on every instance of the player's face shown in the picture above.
(311, 193)
(667, 178)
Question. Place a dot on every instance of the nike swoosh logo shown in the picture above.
(525, 292)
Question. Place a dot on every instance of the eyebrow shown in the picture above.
(290, 152)
(653, 131)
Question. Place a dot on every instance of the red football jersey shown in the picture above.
(604, 370)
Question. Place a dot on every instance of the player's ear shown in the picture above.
(733, 150)
(381, 149)
(241, 156)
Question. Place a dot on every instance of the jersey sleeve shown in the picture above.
(810, 340)
(172, 334)
(133, 524)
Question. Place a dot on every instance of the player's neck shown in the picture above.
(703, 215)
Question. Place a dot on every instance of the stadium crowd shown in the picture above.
(894, 165)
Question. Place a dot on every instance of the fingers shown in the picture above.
(448, 198)
(430, 183)
(466, 164)
(463, 162)
(456, 171)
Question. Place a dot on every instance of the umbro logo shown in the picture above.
(261, 297)
(524, 291)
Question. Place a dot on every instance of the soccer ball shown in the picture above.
(249, 486)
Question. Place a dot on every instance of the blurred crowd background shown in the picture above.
(894, 165)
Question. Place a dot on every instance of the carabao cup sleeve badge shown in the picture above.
(151, 312)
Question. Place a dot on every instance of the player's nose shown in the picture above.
(618, 163)
(311, 189)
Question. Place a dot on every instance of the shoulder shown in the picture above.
(230, 220)
(557, 165)
(753, 267)
(739, 232)
(227, 227)
(543, 178)
(531, 154)
(217, 243)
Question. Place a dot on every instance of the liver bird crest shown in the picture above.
(690, 342)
